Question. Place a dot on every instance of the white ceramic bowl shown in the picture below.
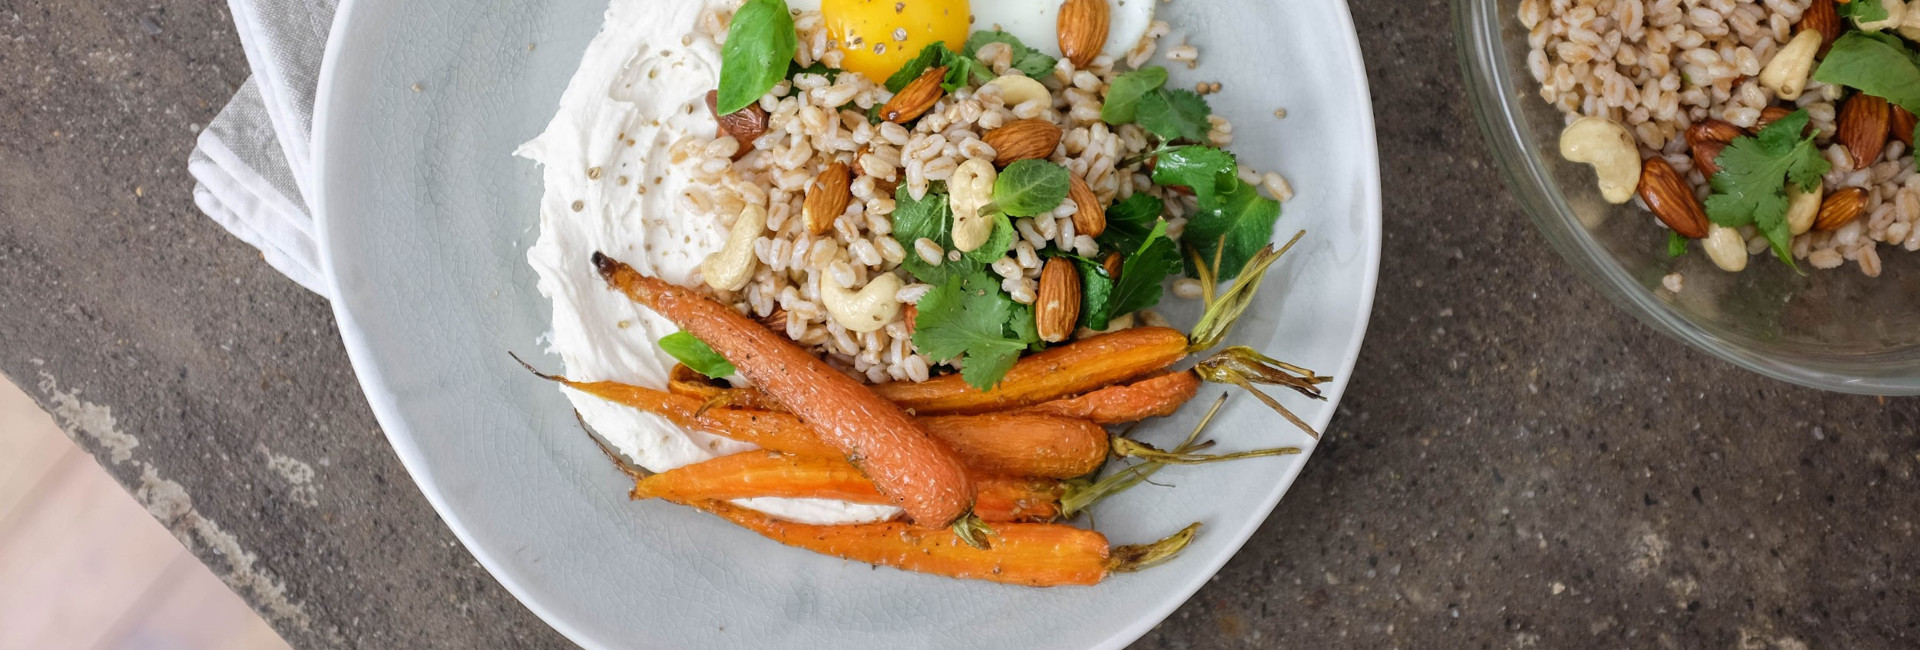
(425, 218)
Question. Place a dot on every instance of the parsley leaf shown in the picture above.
(1031, 187)
(1877, 64)
(1028, 61)
(1205, 170)
(1096, 295)
(761, 44)
(1123, 98)
(1866, 11)
(1754, 171)
(1676, 244)
(1144, 271)
(1129, 222)
(696, 355)
(1175, 114)
(969, 318)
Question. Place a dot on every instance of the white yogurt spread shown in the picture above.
(611, 188)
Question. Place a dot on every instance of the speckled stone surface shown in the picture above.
(1517, 464)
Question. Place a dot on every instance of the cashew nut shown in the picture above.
(1910, 27)
(1802, 207)
(1017, 89)
(969, 190)
(867, 310)
(1786, 75)
(731, 268)
(1610, 149)
(1725, 247)
(1896, 17)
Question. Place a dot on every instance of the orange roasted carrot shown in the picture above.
(1034, 555)
(1120, 404)
(1062, 371)
(922, 476)
(1014, 445)
(757, 474)
(686, 381)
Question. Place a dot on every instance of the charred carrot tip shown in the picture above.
(605, 265)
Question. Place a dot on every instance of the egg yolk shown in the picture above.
(878, 37)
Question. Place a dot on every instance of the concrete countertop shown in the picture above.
(1517, 464)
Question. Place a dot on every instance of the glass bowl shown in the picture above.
(1835, 329)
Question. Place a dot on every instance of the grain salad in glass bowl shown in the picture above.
(873, 278)
(1782, 126)
(1620, 84)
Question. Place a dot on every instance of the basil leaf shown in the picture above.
(761, 44)
(1123, 98)
(1233, 226)
(1866, 11)
(695, 354)
(1031, 187)
(1877, 64)
(1028, 61)
(1175, 114)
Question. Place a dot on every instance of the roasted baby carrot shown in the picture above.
(757, 474)
(1015, 445)
(1034, 555)
(1148, 398)
(922, 476)
(686, 381)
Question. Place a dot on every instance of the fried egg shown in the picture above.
(877, 37)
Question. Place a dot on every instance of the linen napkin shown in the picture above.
(253, 164)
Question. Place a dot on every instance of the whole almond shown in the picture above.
(917, 98)
(1902, 125)
(1863, 126)
(1670, 199)
(1840, 209)
(1057, 309)
(1091, 219)
(827, 198)
(744, 126)
(1022, 140)
(1083, 29)
(1112, 265)
(1707, 139)
(1772, 114)
(1822, 17)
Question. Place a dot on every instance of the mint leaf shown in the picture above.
(1866, 11)
(1754, 171)
(1143, 272)
(1205, 170)
(1123, 98)
(1876, 64)
(761, 44)
(1231, 226)
(1129, 222)
(933, 55)
(695, 354)
(1028, 61)
(1175, 114)
(961, 70)
(970, 319)
(1031, 187)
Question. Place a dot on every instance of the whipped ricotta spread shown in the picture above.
(610, 187)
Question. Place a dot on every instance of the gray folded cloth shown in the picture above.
(253, 164)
